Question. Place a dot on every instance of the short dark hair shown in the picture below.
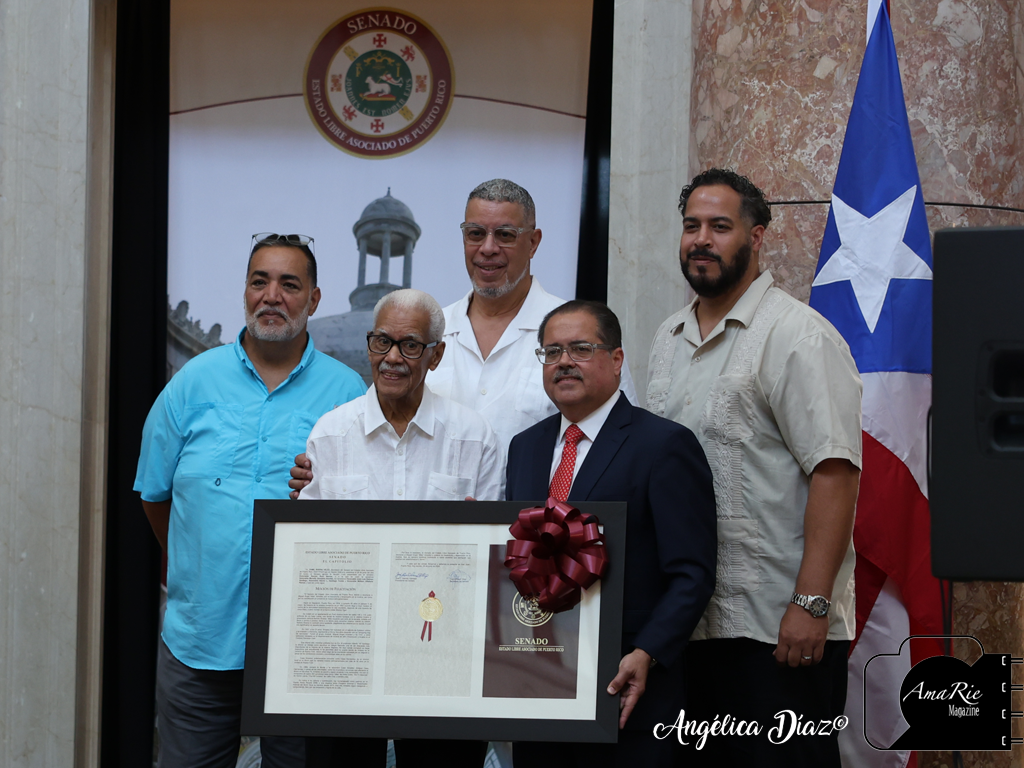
(505, 191)
(608, 329)
(753, 206)
(306, 251)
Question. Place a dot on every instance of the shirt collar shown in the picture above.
(304, 362)
(424, 418)
(533, 310)
(592, 423)
(745, 307)
(742, 311)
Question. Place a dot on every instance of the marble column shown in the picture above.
(56, 98)
(652, 67)
(772, 88)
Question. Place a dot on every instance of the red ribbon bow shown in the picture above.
(555, 554)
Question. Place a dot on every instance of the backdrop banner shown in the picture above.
(365, 127)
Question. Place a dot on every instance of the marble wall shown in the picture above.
(770, 93)
(51, 398)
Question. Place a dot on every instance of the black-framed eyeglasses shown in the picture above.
(410, 349)
(261, 239)
(580, 351)
(474, 234)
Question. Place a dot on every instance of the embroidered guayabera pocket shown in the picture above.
(728, 411)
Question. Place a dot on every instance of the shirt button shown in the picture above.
(264, 438)
(259, 479)
(399, 491)
(688, 401)
(401, 451)
(696, 359)
(270, 399)
(483, 391)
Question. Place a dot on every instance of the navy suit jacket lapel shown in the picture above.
(540, 463)
(609, 440)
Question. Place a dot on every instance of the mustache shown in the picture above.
(568, 373)
(271, 311)
(703, 253)
(384, 367)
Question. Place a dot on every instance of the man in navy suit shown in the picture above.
(601, 448)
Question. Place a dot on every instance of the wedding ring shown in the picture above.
(806, 658)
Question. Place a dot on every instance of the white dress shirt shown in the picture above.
(448, 452)
(507, 388)
(591, 427)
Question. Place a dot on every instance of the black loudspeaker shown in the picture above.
(977, 427)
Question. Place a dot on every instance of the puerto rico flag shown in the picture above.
(874, 283)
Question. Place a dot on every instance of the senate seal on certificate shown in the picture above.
(528, 612)
(379, 83)
(430, 611)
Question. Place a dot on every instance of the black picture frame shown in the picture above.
(603, 728)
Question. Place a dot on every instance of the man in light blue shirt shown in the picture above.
(221, 434)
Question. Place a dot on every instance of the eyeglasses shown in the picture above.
(380, 344)
(580, 351)
(505, 237)
(272, 238)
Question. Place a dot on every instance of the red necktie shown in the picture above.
(562, 481)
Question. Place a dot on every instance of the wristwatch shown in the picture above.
(816, 605)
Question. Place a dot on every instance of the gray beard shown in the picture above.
(499, 290)
(291, 327)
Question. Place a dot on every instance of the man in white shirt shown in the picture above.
(491, 332)
(401, 441)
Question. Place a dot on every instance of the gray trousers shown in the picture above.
(199, 718)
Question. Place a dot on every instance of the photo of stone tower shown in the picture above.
(386, 230)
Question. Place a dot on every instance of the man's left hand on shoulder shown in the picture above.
(801, 635)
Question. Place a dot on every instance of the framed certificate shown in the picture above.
(397, 619)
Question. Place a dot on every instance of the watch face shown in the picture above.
(818, 606)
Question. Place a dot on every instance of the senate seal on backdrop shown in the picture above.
(379, 83)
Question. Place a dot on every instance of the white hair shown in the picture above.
(410, 298)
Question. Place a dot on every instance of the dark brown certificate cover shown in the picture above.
(529, 653)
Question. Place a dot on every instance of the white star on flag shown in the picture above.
(873, 253)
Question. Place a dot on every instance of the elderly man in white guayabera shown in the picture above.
(401, 441)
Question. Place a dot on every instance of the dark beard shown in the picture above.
(729, 274)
